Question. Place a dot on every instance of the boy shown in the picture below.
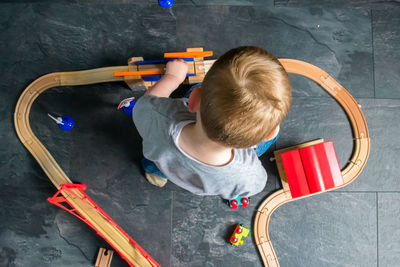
(204, 144)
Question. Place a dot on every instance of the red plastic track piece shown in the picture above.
(58, 198)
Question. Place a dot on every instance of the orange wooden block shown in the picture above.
(139, 73)
(188, 54)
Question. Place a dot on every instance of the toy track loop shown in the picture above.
(350, 171)
(116, 237)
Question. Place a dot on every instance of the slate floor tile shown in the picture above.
(269, 3)
(29, 235)
(338, 41)
(311, 119)
(17, 167)
(381, 171)
(331, 229)
(153, 4)
(375, 4)
(65, 37)
(103, 151)
(55, 140)
(314, 118)
(201, 230)
(389, 228)
(386, 32)
(47, 250)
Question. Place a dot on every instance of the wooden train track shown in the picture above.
(350, 171)
(56, 175)
(109, 231)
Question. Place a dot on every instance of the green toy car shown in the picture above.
(238, 234)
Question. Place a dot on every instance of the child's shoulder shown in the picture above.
(167, 107)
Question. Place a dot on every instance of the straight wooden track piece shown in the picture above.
(104, 258)
(199, 69)
(134, 81)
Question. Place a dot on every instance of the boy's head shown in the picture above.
(244, 97)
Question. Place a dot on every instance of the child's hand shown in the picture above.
(174, 75)
(177, 69)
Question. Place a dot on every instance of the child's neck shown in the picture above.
(194, 142)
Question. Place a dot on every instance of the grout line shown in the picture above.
(171, 221)
(377, 230)
(382, 192)
(316, 97)
(373, 52)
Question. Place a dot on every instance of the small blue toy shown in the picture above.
(66, 123)
(166, 3)
(127, 105)
(234, 203)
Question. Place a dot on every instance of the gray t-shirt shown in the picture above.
(160, 121)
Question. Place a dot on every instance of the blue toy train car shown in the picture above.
(234, 203)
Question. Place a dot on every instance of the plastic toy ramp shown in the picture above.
(350, 172)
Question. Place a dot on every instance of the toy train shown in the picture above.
(234, 203)
(238, 234)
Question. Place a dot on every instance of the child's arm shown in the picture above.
(175, 74)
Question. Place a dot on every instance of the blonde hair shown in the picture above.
(244, 97)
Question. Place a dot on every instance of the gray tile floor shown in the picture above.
(357, 42)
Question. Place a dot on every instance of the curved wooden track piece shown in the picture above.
(350, 171)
